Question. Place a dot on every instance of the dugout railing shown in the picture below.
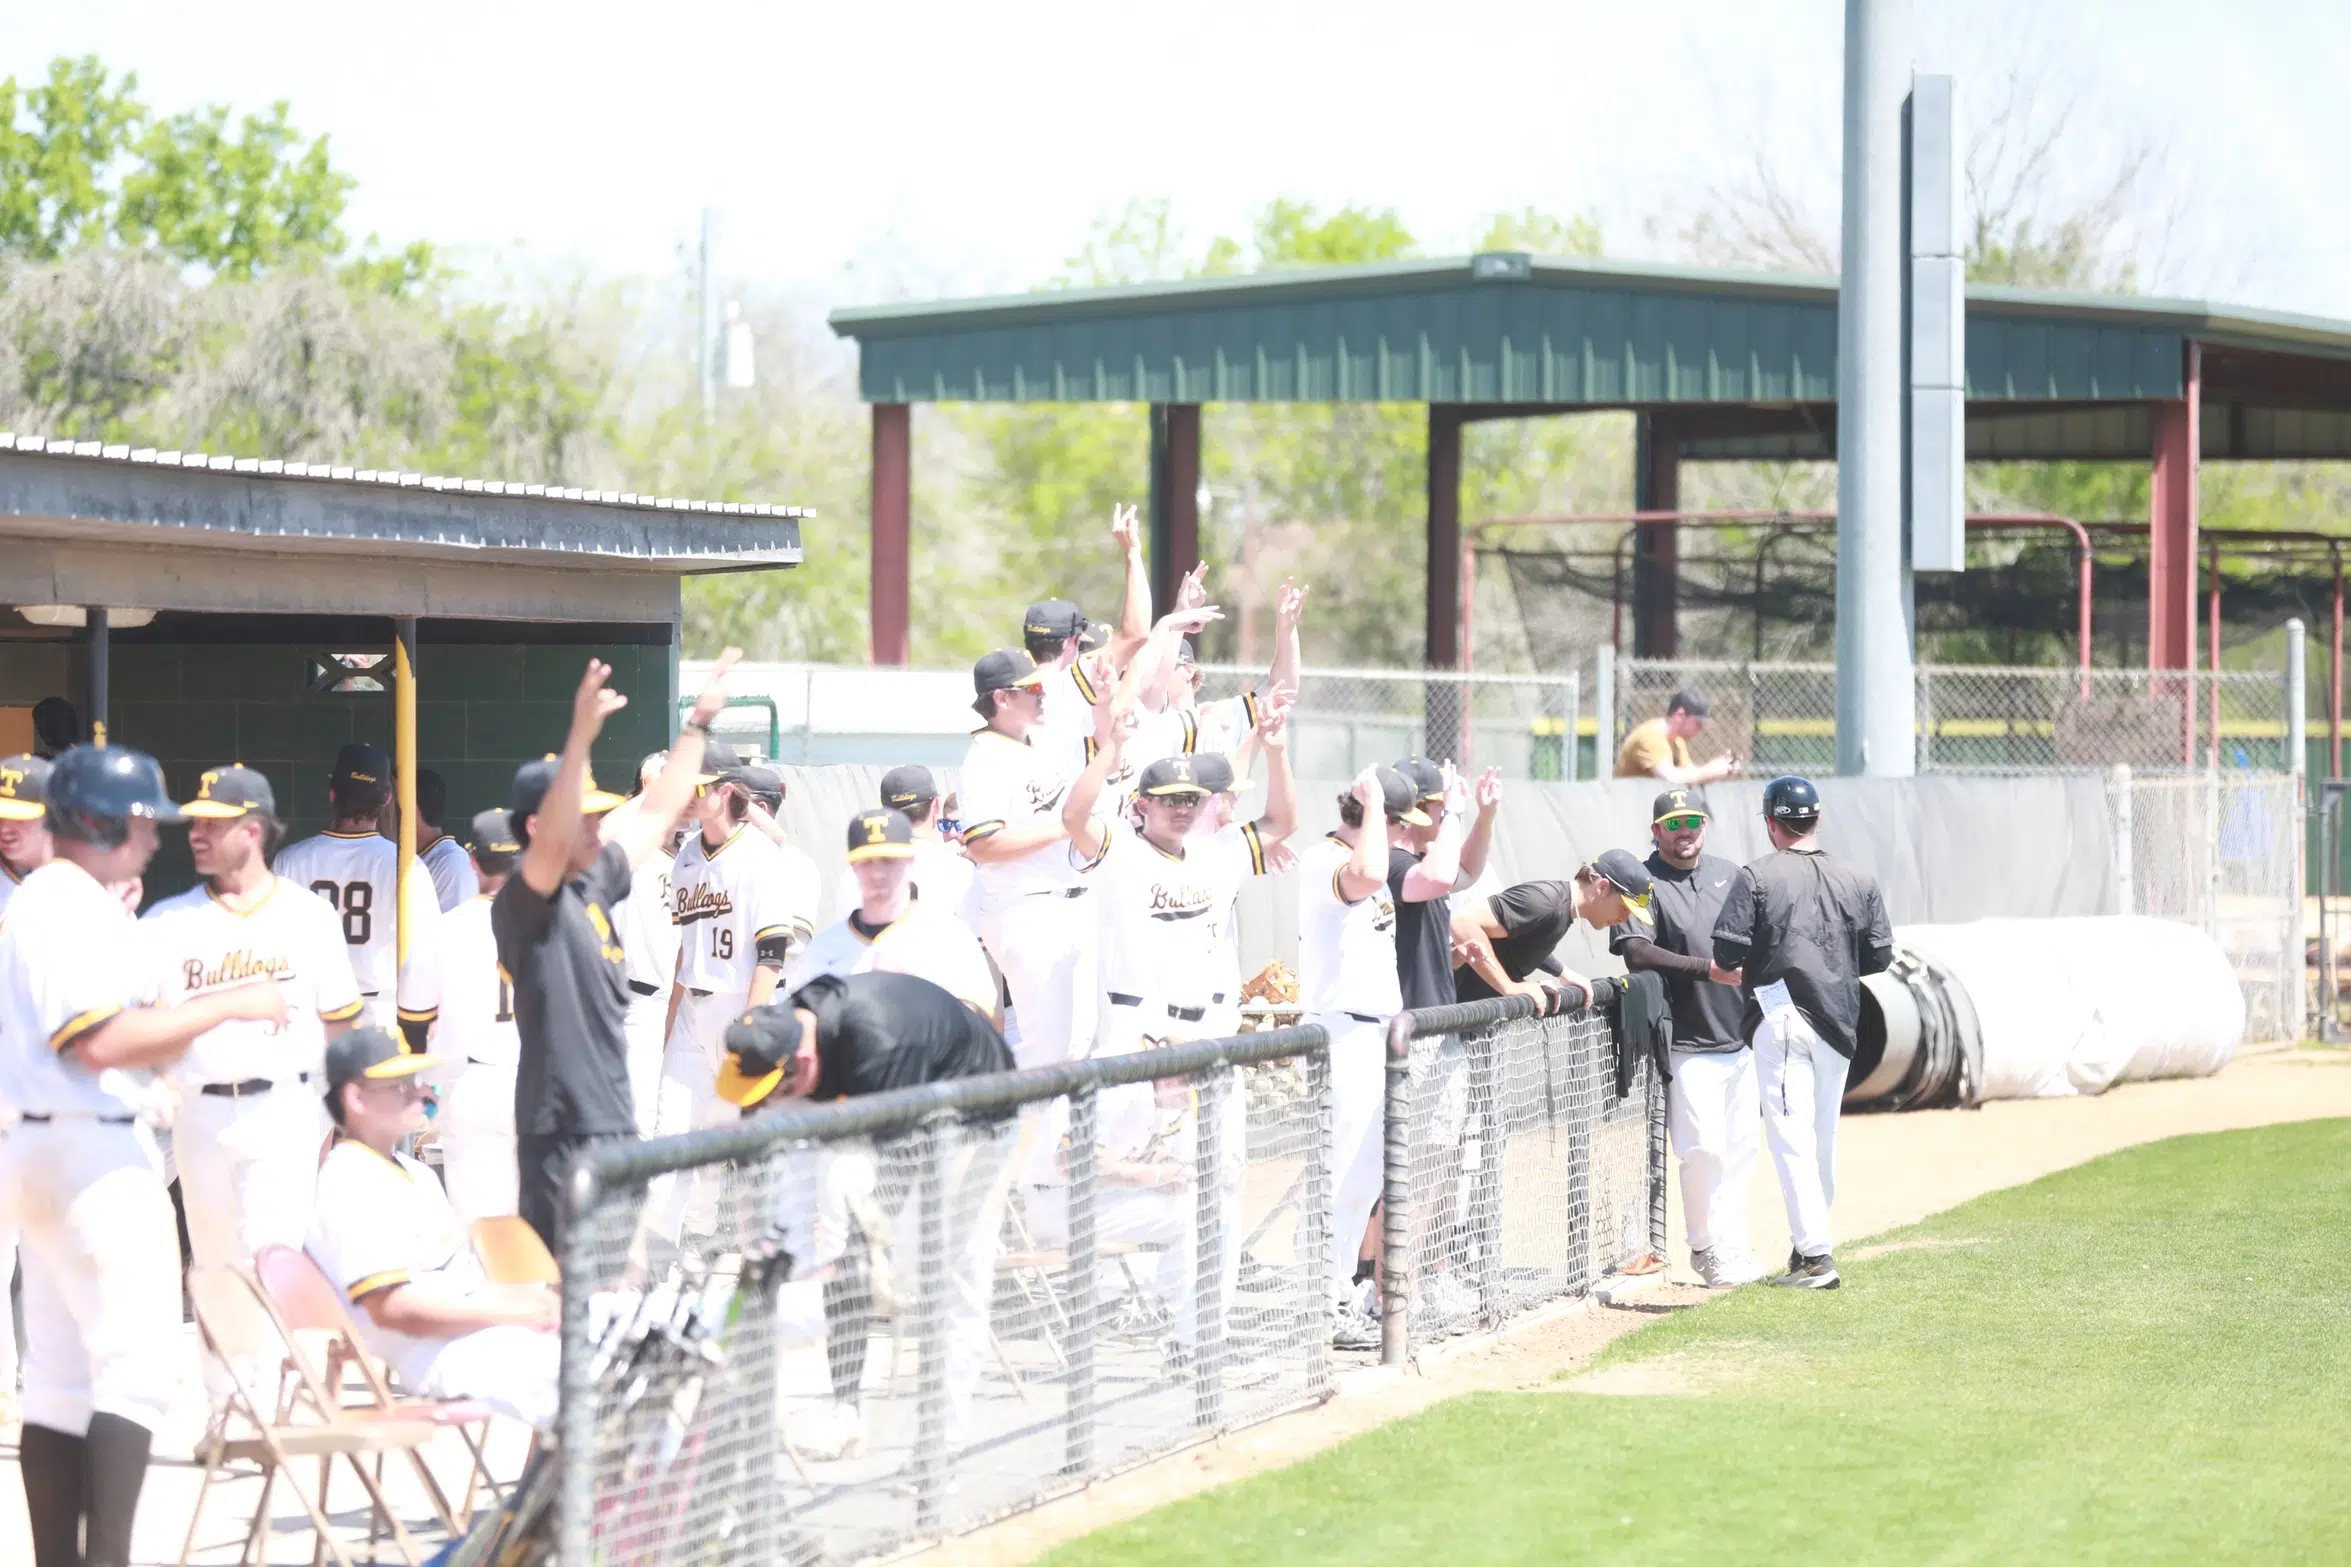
(1038, 1278)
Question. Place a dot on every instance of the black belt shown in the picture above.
(246, 1088)
(43, 1118)
(643, 989)
(1058, 892)
(1365, 1017)
(1187, 1014)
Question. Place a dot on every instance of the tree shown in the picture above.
(1542, 233)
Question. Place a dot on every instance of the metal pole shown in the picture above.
(708, 313)
(1604, 711)
(1314, 1223)
(2118, 794)
(1571, 759)
(930, 1309)
(1078, 1452)
(2291, 963)
(1396, 1261)
(404, 775)
(101, 672)
(576, 1412)
(1208, 1248)
(1874, 612)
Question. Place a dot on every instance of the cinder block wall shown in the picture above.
(482, 709)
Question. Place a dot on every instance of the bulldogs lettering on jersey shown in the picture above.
(726, 900)
(290, 936)
(1165, 913)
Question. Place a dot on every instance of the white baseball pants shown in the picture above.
(478, 1158)
(1359, 1095)
(688, 1101)
(1048, 947)
(511, 1369)
(7, 1310)
(101, 1266)
(1802, 1084)
(1711, 1109)
(248, 1168)
(647, 1017)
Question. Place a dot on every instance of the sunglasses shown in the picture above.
(1681, 823)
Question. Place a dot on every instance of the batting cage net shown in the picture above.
(899, 1317)
(1345, 720)
(1530, 1163)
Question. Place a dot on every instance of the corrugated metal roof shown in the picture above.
(70, 485)
(1515, 330)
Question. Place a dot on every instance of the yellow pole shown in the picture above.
(404, 768)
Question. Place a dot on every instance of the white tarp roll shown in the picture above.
(2073, 1006)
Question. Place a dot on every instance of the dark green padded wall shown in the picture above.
(482, 709)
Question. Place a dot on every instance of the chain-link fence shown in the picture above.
(924, 1309)
(1525, 1162)
(1348, 719)
(2223, 851)
(1981, 719)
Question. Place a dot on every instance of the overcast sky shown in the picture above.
(864, 150)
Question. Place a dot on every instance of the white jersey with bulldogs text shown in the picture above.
(647, 933)
(454, 878)
(68, 963)
(726, 900)
(927, 942)
(354, 872)
(1008, 783)
(291, 936)
(1164, 914)
(477, 996)
(1346, 951)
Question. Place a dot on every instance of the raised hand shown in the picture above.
(1290, 604)
(593, 702)
(713, 700)
(1367, 794)
(1280, 857)
(1184, 621)
(1192, 592)
(1126, 529)
(1273, 716)
(1489, 788)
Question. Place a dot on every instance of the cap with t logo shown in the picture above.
(24, 787)
(1171, 775)
(880, 835)
(1676, 802)
(226, 792)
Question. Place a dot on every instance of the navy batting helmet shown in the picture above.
(95, 789)
(1790, 798)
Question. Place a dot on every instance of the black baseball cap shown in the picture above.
(1185, 652)
(235, 790)
(904, 788)
(493, 833)
(1689, 702)
(759, 1045)
(370, 1055)
(1172, 775)
(532, 780)
(361, 770)
(1095, 637)
(1055, 618)
(1676, 802)
(1426, 777)
(1396, 798)
(881, 834)
(1001, 670)
(1214, 769)
(761, 782)
(24, 788)
(1629, 877)
(718, 760)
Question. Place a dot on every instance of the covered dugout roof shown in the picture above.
(1745, 361)
(86, 523)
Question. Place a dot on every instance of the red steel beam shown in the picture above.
(1443, 649)
(2171, 559)
(891, 531)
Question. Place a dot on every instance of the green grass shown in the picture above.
(2147, 1357)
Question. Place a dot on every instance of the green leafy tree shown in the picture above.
(1543, 233)
(58, 143)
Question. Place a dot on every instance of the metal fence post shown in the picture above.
(2118, 795)
(1571, 759)
(1314, 1225)
(575, 1421)
(1604, 711)
(1585, 1071)
(2212, 851)
(1657, 1090)
(1396, 1195)
(1926, 719)
(1208, 1249)
(930, 1430)
(1484, 1125)
(1084, 1282)
(2291, 961)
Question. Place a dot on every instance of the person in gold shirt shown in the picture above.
(1660, 748)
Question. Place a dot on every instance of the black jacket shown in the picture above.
(1814, 921)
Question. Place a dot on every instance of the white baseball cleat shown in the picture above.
(1720, 1268)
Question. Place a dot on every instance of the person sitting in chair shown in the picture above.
(384, 1234)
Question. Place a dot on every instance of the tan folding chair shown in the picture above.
(512, 1253)
(295, 1418)
(303, 1299)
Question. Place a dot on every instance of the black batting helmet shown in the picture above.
(95, 790)
(1790, 798)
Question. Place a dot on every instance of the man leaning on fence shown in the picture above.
(1711, 1107)
(842, 1036)
(1803, 926)
(1660, 748)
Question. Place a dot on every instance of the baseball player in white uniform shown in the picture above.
(1348, 984)
(248, 1127)
(893, 930)
(80, 1176)
(476, 1040)
(743, 905)
(650, 937)
(942, 876)
(390, 1240)
(24, 849)
(354, 867)
(442, 856)
(1031, 899)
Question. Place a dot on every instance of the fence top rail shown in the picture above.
(1474, 677)
(632, 1163)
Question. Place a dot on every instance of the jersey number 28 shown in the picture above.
(357, 902)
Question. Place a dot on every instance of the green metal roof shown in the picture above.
(1751, 356)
